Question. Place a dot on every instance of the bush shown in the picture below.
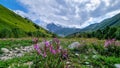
(99, 48)
(112, 50)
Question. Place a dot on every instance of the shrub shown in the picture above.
(52, 50)
(111, 48)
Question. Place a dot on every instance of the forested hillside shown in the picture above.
(107, 29)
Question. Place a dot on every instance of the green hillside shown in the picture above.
(112, 22)
(12, 23)
(108, 28)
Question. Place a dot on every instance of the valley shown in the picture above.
(26, 44)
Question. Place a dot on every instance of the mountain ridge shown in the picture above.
(113, 21)
(61, 31)
(108, 28)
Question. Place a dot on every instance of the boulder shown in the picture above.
(5, 58)
(41, 45)
(117, 65)
(74, 45)
(117, 43)
(5, 50)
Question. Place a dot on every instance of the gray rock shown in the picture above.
(17, 48)
(68, 62)
(5, 50)
(117, 65)
(74, 45)
(41, 45)
(19, 55)
(76, 54)
(10, 55)
(5, 58)
(87, 63)
(29, 64)
(94, 56)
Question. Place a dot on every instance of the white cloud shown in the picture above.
(107, 2)
(92, 5)
(92, 20)
(70, 13)
(77, 10)
(23, 14)
(64, 18)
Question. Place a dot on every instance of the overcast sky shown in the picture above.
(69, 13)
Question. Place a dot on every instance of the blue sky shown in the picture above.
(68, 13)
(13, 5)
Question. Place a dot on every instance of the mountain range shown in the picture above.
(112, 22)
(60, 30)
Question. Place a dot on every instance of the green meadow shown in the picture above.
(92, 54)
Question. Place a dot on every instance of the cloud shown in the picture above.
(92, 20)
(23, 14)
(70, 13)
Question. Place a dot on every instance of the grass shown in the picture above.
(88, 56)
(11, 44)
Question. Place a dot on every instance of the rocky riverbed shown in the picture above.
(16, 52)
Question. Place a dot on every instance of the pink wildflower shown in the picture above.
(58, 50)
(36, 47)
(64, 54)
(56, 41)
(53, 51)
(47, 44)
(50, 48)
(44, 55)
(109, 42)
(35, 40)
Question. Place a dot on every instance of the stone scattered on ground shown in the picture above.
(16, 52)
(117, 65)
(76, 54)
(41, 45)
(68, 63)
(74, 45)
(87, 63)
(4, 50)
(29, 64)
(94, 56)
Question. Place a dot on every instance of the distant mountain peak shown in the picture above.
(60, 30)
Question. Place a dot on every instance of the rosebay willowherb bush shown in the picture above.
(109, 42)
(51, 56)
(111, 48)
